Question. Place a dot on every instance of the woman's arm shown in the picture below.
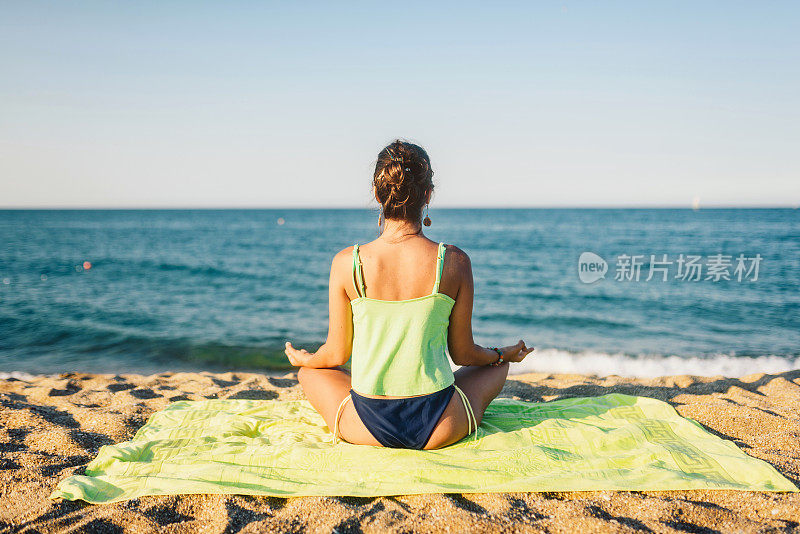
(463, 349)
(336, 350)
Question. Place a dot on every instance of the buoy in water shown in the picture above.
(87, 265)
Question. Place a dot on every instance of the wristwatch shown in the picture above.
(499, 357)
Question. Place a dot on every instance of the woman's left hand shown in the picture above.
(297, 357)
(516, 353)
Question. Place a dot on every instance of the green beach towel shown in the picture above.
(283, 448)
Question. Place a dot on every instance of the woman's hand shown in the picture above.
(297, 357)
(515, 353)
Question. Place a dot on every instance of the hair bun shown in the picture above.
(403, 179)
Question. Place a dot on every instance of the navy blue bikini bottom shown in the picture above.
(402, 423)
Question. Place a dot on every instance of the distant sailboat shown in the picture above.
(696, 203)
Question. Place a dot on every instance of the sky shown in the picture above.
(262, 104)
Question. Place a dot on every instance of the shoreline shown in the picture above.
(51, 426)
(544, 361)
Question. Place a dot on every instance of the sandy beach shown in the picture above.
(52, 426)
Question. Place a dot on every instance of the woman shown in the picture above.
(384, 313)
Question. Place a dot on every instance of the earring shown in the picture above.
(380, 222)
(427, 220)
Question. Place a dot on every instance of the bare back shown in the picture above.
(406, 270)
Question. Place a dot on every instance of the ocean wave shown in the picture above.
(554, 361)
(651, 365)
(17, 375)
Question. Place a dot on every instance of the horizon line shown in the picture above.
(354, 207)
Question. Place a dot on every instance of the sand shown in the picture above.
(52, 426)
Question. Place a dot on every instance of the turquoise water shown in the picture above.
(204, 289)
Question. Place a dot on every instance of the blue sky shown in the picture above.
(251, 104)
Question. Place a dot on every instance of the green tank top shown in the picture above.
(399, 345)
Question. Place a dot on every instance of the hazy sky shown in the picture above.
(256, 104)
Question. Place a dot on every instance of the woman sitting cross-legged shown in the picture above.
(396, 304)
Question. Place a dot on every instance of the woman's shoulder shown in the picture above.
(347, 255)
(344, 256)
(457, 257)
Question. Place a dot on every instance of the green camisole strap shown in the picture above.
(439, 268)
(358, 280)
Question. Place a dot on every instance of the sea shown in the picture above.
(631, 292)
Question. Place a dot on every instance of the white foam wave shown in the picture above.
(600, 363)
(558, 361)
(17, 375)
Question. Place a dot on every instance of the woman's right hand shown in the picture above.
(515, 353)
(297, 357)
